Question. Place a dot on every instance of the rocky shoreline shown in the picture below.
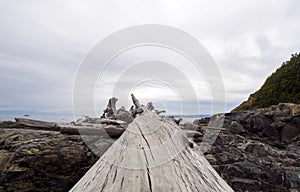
(257, 150)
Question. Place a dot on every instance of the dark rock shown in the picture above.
(271, 131)
(32, 160)
(292, 177)
(236, 128)
(248, 152)
(266, 157)
(278, 125)
(289, 132)
(257, 123)
(202, 121)
(260, 150)
(5, 158)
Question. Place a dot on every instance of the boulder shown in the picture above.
(236, 128)
(294, 109)
(258, 149)
(257, 122)
(292, 178)
(289, 132)
(271, 131)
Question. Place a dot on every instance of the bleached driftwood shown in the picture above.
(110, 130)
(151, 155)
(111, 110)
(138, 107)
(159, 112)
(36, 124)
(113, 128)
(150, 106)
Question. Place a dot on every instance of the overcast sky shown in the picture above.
(42, 44)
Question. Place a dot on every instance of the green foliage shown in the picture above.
(281, 86)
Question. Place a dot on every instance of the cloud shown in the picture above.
(43, 43)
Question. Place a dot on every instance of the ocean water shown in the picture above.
(68, 117)
(44, 116)
(190, 118)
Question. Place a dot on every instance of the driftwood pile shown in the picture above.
(153, 154)
(113, 122)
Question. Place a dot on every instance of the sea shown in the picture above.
(68, 117)
(191, 118)
(43, 116)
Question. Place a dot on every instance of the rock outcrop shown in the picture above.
(45, 156)
(34, 160)
(258, 150)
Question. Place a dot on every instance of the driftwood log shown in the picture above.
(111, 109)
(151, 155)
(36, 124)
(159, 112)
(113, 128)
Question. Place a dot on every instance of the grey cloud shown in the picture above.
(43, 43)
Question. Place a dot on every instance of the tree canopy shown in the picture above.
(283, 86)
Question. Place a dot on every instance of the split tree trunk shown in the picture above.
(151, 155)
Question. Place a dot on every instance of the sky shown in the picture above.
(44, 42)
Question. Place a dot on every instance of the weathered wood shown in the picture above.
(158, 112)
(150, 106)
(111, 110)
(193, 134)
(151, 155)
(138, 107)
(178, 120)
(81, 130)
(112, 122)
(112, 131)
(136, 102)
(113, 128)
(36, 124)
